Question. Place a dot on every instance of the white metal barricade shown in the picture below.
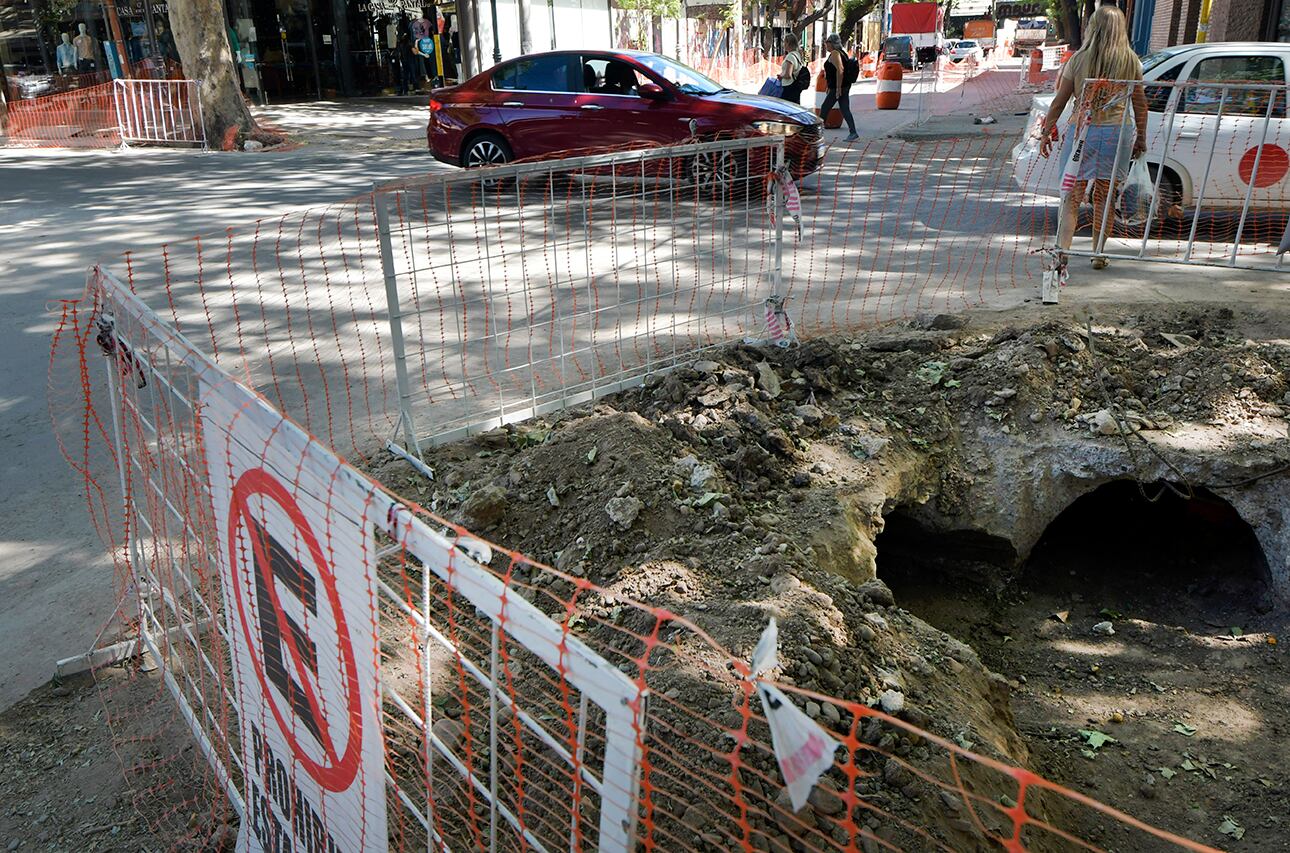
(159, 112)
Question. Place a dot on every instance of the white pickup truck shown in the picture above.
(1207, 130)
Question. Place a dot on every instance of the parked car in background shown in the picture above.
(547, 104)
(1203, 127)
(900, 49)
(962, 50)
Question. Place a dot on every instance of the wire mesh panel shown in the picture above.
(1213, 186)
(530, 287)
(268, 664)
(520, 705)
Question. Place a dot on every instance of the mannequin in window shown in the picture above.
(85, 55)
(66, 55)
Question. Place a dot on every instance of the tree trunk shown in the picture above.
(851, 17)
(526, 31)
(468, 36)
(1074, 23)
(200, 37)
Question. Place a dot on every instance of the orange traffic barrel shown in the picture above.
(1036, 69)
(890, 76)
(834, 118)
(868, 66)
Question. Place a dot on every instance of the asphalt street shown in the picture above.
(60, 211)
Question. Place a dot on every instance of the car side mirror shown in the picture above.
(651, 92)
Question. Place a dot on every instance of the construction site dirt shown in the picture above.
(1061, 542)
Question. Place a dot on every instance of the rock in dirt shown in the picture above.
(810, 415)
(623, 511)
(701, 476)
(1103, 422)
(896, 774)
(485, 507)
(252, 145)
(706, 366)
(768, 379)
(891, 701)
(1106, 629)
(877, 592)
(869, 446)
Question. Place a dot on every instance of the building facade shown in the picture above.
(285, 49)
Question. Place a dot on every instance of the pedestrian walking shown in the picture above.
(1109, 144)
(793, 73)
(838, 82)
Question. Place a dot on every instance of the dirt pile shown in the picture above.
(753, 483)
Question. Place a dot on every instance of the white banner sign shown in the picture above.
(296, 563)
(970, 8)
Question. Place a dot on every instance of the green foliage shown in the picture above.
(653, 8)
(852, 12)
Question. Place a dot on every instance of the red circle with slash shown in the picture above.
(337, 772)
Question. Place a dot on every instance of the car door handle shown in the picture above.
(512, 103)
(592, 107)
(1189, 134)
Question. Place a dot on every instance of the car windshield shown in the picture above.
(682, 77)
(967, 45)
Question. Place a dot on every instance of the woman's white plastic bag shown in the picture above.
(1134, 206)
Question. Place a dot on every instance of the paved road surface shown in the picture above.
(61, 211)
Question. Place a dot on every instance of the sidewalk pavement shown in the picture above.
(357, 124)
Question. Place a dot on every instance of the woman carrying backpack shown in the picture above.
(839, 83)
(793, 74)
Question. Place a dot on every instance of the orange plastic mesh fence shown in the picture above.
(518, 705)
(81, 118)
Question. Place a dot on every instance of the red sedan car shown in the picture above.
(546, 103)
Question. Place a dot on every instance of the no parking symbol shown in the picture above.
(298, 586)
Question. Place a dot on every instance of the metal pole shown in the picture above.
(1204, 181)
(1099, 235)
(394, 311)
(1171, 113)
(427, 719)
(492, 740)
(127, 502)
(1254, 176)
(777, 274)
(497, 43)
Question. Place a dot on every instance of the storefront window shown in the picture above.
(284, 50)
(52, 46)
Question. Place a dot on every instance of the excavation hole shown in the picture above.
(1192, 562)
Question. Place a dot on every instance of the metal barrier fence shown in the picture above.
(1217, 163)
(118, 112)
(571, 279)
(361, 673)
(159, 112)
(81, 118)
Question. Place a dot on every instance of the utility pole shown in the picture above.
(497, 38)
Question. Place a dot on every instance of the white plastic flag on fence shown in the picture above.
(803, 748)
(298, 582)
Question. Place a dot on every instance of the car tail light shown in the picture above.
(435, 106)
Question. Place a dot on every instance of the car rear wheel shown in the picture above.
(486, 149)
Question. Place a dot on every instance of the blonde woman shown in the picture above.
(1110, 144)
(789, 71)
